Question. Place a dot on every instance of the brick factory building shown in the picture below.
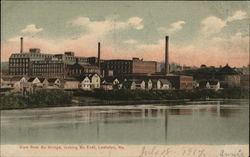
(78, 69)
(48, 68)
(35, 63)
(22, 63)
(121, 67)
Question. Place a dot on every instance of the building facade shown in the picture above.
(228, 77)
(136, 65)
(34, 63)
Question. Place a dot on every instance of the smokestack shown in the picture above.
(166, 57)
(99, 54)
(21, 47)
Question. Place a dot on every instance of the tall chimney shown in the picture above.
(99, 54)
(21, 48)
(166, 57)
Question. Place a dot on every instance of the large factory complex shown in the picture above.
(34, 63)
(34, 69)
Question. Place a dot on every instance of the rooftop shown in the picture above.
(226, 70)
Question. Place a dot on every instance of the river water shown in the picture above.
(203, 122)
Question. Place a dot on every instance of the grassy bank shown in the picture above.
(41, 98)
(230, 93)
(54, 98)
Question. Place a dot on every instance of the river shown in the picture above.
(203, 122)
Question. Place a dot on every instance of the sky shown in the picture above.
(200, 32)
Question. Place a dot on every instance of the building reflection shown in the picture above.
(101, 117)
(180, 111)
(227, 112)
(166, 124)
(218, 109)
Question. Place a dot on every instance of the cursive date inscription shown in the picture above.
(154, 152)
(170, 152)
(193, 152)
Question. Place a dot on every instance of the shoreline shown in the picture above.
(139, 102)
(129, 102)
(58, 98)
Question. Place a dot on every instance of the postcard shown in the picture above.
(124, 79)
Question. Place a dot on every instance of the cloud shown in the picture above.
(131, 41)
(212, 24)
(238, 15)
(31, 29)
(174, 27)
(110, 24)
(14, 39)
(135, 22)
(84, 45)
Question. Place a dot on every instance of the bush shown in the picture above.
(49, 98)
(41, 98)
(13, 101)
(233, 93)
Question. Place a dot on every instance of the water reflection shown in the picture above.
(166, 124)
(192, 123)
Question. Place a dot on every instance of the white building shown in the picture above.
(213, 84)
(85, 83)
(44, 82)
(163, 84)
(16, 83)
(34, 81)
(111, 81)
(95, 81)
(149, 84)
(137, 84)
(55, 83)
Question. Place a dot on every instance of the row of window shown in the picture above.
(47, 73)
(47, 70)
(33, 55)
(53, 67)
(18, 73)
(119, 63)
(71, 58)
(18, 68)
(118, 67)
(19, 65)
(18, 60)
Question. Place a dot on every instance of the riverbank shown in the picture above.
(59, 98)
(139, 102)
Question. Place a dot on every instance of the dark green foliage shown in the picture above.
(235, 93)
(231, 93)
(41, 98)
(13, 101)
(49, 98)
